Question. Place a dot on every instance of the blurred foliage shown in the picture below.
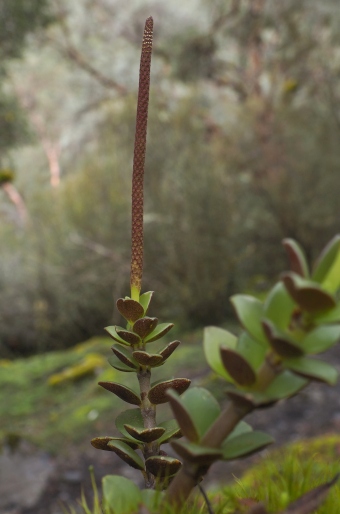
(243, 150)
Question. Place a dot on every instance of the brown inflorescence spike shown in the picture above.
(139, 159)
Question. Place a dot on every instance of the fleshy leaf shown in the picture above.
(249, 311)
(130, 309)
(113, 333)
(171, 430)
(159, 332)
(157, 393)
(297, 258)
(120, 495)
(197, 411)
(251, 350)
(309, 295)
(144, 326)
(118, 364)
(101, 443)
(245, 444)
(162, 466)
(169, 349)
(123, 392)
(285, 385)
(326, 261)
(321, 338)
(195, 453)
(147, 359)
(281, 343)
(213, 339)
(145, 300)
(238, 367)
(241, 428)
(279, 306)
(127, 454)
(125, 356)
(131, 417)
(313, 369)
(331, 316)
(129, 337)
(147, 435)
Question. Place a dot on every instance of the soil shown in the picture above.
(44, 484)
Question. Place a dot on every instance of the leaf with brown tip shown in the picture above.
(144, 326)
(123, 392)
(127, 454)
(297, 258)
(125, 356)
(237, 367)
(280, 342)
(101, 443)
(129, 337)
(157, 393)
(147, 359)
(169, 349)
(159, 332)
(195, 453)
(309, 295)
(183, 417)
(130, 309)
(163, 466)
(147, 435)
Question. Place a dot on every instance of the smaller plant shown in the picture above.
(273, 358)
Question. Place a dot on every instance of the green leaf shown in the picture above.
(157, 393)
(131, 417)
(147, 435)
(213, 339)
(113, 333)
(279, 306)
(195, 453)
(297, 258)
(331, 316)
(321, 338)
(238, 367)
(123, 392)
(313, 369)
(127, 454)
(200, 407)
(120, 495)
(118, 364)
(159, 332)
(145, 300)
(329, 264)
(281, 343)
(152, 499)
(245, 444)
(241, 428)
(309, 295)
(249, 311)
(251, 350)
(171, 430)
(125, 356)
(285, 385)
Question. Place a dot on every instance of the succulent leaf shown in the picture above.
(172, 430)
(213, 339)
(331, 316)
(101, 443)
(329, 257)
(249, 311)
(127, 336)
(169, 349)
(113, 333)
(116, 363)
(313, 369)
(125, 356)
(123, 392)
(144, 326)
(238, 367)
(147, 435)
(159, 332)
(183, 417)
(321, 338)
(157, 393)
(279, 306)
(145, 300)
(195, 453)
(281, 343)
(147, 359)
(161, 466)
(309, 295)
(297, 258)
(245, 444)
(127, 454)
(251, 350)
(130, 309)
(131, 417)
(120, 495)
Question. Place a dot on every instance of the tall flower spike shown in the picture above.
(139, 162)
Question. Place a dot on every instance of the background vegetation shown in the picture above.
(243, 149)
